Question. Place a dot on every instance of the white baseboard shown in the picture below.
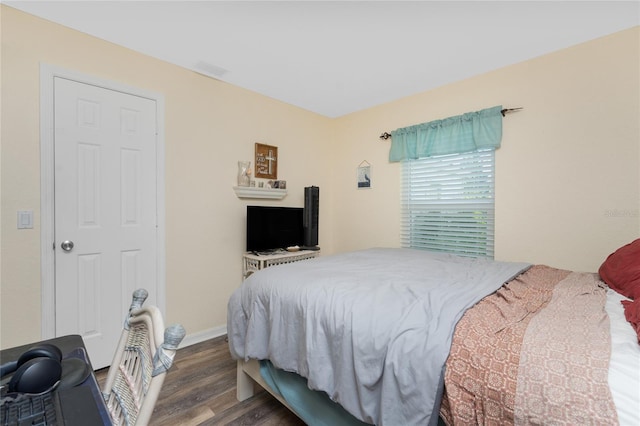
(201, 336)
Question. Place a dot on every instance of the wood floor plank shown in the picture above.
(200, 390)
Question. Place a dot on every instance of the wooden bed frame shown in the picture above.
(248, 376)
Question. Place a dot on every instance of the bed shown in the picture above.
(404, 337)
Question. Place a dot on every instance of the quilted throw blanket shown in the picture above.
(535, 352)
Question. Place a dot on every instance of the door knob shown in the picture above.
(67, 245)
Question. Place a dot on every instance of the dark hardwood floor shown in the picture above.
(200, 389)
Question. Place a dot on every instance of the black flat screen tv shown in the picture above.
(273, 228)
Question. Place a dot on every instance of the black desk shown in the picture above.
(81, 402)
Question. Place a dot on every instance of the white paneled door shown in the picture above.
(105, 210)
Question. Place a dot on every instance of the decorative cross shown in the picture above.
(270, 158)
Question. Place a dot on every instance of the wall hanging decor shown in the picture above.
(364, 175)
(266, 164)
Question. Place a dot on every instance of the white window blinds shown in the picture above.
(448, 203)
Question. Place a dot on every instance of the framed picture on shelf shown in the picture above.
(266, 164)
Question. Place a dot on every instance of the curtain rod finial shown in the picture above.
(508, 110)
(385, 136)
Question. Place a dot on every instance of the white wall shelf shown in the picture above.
(253, 192)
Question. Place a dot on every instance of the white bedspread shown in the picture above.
(370, 328)
(624, 365)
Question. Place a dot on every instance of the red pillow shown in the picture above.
(632, 314)
(621, 270)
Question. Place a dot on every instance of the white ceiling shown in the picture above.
(337, 57)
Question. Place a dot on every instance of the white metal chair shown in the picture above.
(144, 354)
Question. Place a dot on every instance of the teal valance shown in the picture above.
(468, 132)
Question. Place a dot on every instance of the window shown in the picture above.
(448, 203)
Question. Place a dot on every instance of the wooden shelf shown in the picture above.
(253, 192)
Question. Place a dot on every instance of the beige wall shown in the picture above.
(568, 179)
(209, 126)
(568, 171)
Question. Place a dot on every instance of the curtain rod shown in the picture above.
(505, 111)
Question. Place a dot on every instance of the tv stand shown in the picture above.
(254, 262)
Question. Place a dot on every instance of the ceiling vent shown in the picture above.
(210, 70)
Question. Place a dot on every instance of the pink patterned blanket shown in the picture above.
(535, 352)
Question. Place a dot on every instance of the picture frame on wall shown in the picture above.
(364, 175)
(266, 162)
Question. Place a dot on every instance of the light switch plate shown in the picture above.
(25, 219)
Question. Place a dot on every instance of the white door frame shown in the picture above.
(47, 173)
